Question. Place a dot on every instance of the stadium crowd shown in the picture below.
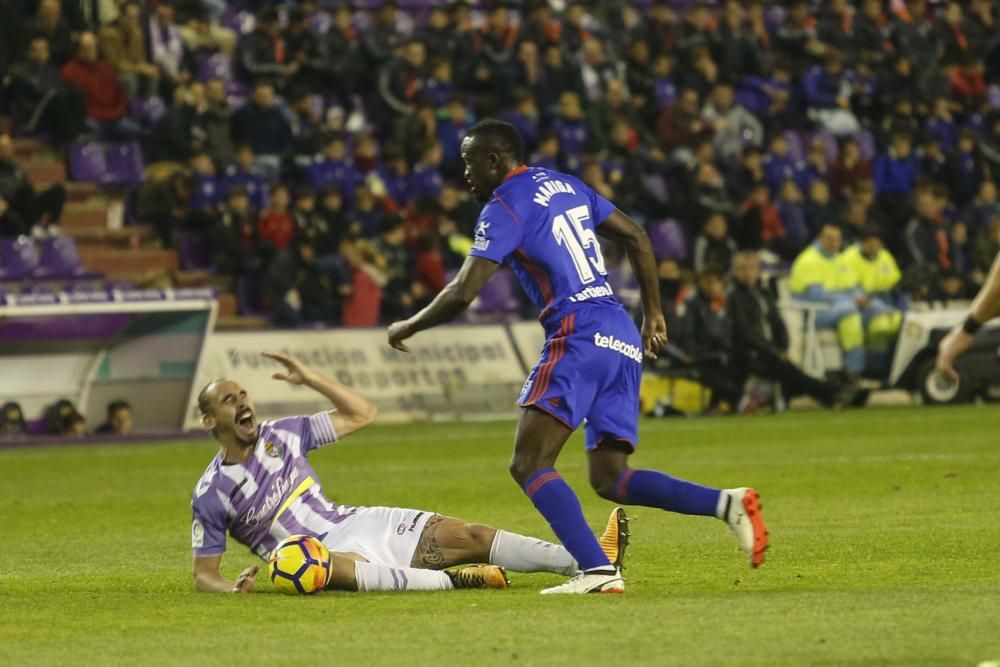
(312, 149)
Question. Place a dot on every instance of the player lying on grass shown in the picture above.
(545, 225)
(260, 488)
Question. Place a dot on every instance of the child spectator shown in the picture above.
(792, 213)
(394, 174)
(968, 171)
(941, 124)
(848, 169)
(665, 90)
(760, 224)
(242, 174)
(779, 165)
(439, 86)
(451, 129)
(276, 227)
(206, 195)
(983, 209)
(820, 209)
(234, 238)
(526, 117)
(547, 155)
(714, 247)
(397, 293)
(367, 216)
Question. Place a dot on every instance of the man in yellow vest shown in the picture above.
(822, 275)
(877, 274)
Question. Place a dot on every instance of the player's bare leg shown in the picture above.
(447, 541)
(351, 572)
(613, 479)
(540, 438)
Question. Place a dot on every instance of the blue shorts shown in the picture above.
(590, 369)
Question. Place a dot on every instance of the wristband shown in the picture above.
(971, 325)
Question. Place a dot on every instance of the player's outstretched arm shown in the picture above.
(448, 304)
(351, 411)
(208, 577)
(622, 229)
(984, 308)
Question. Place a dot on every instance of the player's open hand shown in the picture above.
(297, 372)
(654, 334)
(397, 333)
(245, 582)
(950, 348)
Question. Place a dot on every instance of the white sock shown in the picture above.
(527, 554)
(375, 577)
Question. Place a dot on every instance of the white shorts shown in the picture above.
(384, 535)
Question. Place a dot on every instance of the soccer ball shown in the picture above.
(299, 564)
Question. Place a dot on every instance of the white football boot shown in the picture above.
(741, 509)
(590, 582)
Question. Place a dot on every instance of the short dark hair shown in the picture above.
(115, 406)
(204, 402)
(502, 136)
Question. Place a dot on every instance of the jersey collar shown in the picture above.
(515, 171)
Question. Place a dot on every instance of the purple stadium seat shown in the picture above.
(667, 239)
(866, 144)
(194, 250)
(18, 258)
(498, 300)
(795, 148)
(87, 162)
(147, 111)
(125, 164)
(215, 66)
(60, 259)
(993, 95)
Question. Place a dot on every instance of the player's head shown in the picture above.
(490, 150)
(227, 411)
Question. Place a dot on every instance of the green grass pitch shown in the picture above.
(884, 526)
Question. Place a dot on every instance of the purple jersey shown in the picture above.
(273, 495)
(542, 223)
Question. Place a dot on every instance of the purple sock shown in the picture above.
(650, 488)
(561, 508)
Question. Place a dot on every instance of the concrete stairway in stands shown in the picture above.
(129, 253)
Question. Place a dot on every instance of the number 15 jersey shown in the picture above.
(543, 224)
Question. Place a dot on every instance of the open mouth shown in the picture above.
(245, 418)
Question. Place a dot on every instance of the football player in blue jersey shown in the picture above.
(544, 225)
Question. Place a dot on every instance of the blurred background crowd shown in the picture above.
(308, 153)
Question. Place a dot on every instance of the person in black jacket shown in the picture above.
(760, 339)
(260, 55)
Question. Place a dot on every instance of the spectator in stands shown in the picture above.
(426, 179)
(780, 165)
(926, 234)
(11, 225)
(402, 79)
(714, 247)
(734, 128)
(821, 277)
(820, 208)
(50, 23)
(306, 126)
(895, 173)
(794, 216)
(382, 38)
(760, 338)
(303, 47)
(705, 335)
(848, 169)
(934, 164)
(242, 174)
(680, 125)
(217, 122)
(119, 419)
(62, 418)
(331, 210)
(967, 168)
(399, 289)
(334, 167)
(828, 94)
(394, 173)
(261, 125)
(166, 50)
(182, 129)
(163, 197)
(983, 209)
(12, 423)
(760, 224)
(985, 247)
(234, 238)
(200, 27)
(104, 95)
(878, 276)
(260, 54)
(123, 46)
(276, 227)
(363, 301)
(41, 101)
(367, 216)
(571, 129)
(451, 129)
(206, 193)
(36, 211)
(298, 291)
(744, 175)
